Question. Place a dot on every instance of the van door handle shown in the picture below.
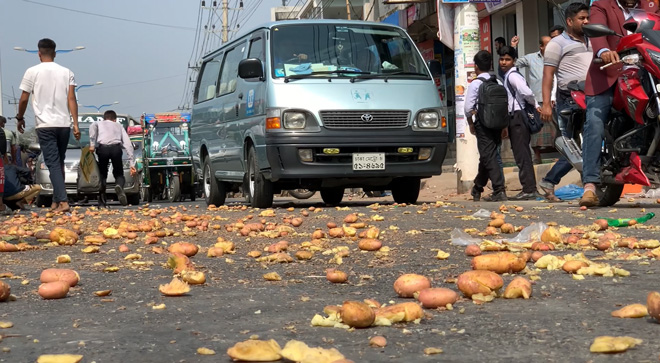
(240, 96)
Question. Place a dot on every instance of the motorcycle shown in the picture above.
(629, 153)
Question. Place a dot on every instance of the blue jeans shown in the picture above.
(598, 111)
(562, 166)
(53, 142)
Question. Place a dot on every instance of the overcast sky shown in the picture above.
(139, 49)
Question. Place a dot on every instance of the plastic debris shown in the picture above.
(460, 238)
(625, 222)
(569, 192)
(532, 232)
(482, 213)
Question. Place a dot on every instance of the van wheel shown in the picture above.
(332, 196)
(259, 188)
(214, 191)
(406, 190)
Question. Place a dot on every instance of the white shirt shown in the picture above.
(48, 83)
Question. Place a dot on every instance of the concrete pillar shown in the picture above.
(466, 45)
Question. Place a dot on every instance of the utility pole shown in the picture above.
(225, 20)
(348, 9)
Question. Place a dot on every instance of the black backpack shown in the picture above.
(493, 104)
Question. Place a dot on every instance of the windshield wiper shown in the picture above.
(388, 75)
(317, 73)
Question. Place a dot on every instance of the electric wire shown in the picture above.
(111, 17)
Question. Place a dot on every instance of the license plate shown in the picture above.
(369, 161)
(170, 161)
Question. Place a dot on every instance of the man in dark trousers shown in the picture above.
(600, 85)
(52, 88)
(519, 94)
(108, 138)
(487, 139)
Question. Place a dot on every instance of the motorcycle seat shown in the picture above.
(575, 86)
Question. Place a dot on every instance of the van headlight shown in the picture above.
(428, 120)
(294, 120)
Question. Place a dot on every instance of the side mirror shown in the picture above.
(598, 30)
(251, 68)
(435, 67)
(34, 146)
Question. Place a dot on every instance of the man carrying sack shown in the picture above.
(108, 138)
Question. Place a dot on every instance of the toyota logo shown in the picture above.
(367, 117)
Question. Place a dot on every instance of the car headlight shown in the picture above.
(294, 120)
(428, 120)
(127, 164)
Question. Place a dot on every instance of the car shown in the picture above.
(73, 153)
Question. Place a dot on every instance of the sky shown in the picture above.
(139, 49)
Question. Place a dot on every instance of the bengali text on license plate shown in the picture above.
(369, 161)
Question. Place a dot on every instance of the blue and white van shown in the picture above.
(321, 105)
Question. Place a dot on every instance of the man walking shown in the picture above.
(54, 104)
(534, 63)
(108, 138)
(567, 56)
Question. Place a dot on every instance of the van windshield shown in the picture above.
(333, 50)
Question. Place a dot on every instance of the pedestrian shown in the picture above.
(54, 103)
(519, 94)
(534, 63)
(556, 31)
(20, 190)
(600, 84)
(499, 43)
(108, 138)
(488, 140)
(567, 56)
(12, 142)
(3, 155)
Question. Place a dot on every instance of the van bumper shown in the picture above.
(282, 151)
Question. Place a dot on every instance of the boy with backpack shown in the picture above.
(487, 99)
(520, 128)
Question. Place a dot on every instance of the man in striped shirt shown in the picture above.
(108, 138)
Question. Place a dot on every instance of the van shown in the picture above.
(321, 105)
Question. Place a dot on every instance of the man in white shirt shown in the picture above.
(54, 104)
(108, 138)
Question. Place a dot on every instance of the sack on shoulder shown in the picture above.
(89, 174)
(493, 104)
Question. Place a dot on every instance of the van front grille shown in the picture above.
(365, 119)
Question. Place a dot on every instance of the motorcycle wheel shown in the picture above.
(302, 193)
(609, 194)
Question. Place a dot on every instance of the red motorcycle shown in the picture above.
(630, 153)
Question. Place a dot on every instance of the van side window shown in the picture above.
(257, 49)
(206, 86)
(229, 73)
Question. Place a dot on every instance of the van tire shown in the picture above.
(260, 189)
(332, 196)
(406, 190)
(214, 191)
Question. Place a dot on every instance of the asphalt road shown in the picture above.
(558, 324)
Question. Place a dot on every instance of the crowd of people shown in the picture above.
(52, 90)
(565, 55)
